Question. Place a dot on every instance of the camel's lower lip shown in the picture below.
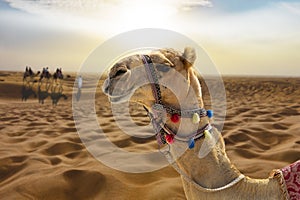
(120, 98)
(116, 99)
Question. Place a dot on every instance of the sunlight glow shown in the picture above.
(109, 17)
(256, 39)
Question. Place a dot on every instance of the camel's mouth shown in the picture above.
(117, 96)
(120, 98)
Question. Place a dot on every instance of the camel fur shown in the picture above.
(214, 170)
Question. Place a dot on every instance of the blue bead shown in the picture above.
(210, 113)
(191, 143)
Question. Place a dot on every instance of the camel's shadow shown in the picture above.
(54, 92)
(57, 94)
(43, 92)
(27, 91)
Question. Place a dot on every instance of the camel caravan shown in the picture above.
(49, 85)
(29, 75)
(182, 118)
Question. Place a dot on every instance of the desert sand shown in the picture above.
(42, 156)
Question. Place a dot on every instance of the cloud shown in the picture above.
(293, 7)
(97, 7)
(116, 15)
(189, 4)
(44, 7)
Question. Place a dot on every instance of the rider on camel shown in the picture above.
(30, 71)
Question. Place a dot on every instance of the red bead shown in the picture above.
(169, 138)
(175, 118)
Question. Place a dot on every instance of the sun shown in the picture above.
(146, 13)
(138, 14)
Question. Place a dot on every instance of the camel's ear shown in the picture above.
(189, 57)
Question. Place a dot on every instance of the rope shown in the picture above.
(152, 76)
(199, 187)
(279, 176)
(182, 113)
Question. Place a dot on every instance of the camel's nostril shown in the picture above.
(105, 89)
(105, 86)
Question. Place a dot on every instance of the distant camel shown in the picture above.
(29, 75)
(45, 74)
(213, 177)
(58, 74)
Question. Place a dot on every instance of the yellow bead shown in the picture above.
(207, 134)
(196, 118)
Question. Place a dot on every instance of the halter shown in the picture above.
(163, 133)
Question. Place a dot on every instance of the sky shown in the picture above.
(242, 37)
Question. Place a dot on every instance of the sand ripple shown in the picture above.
(42, 157)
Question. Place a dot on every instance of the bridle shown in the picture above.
(165, 135)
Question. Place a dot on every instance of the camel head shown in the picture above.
(173, 68)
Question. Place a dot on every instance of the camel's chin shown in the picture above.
(117, 100)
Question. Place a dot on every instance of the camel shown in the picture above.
(45, 74)
(212, 176)
(29, 74)
(58, 75)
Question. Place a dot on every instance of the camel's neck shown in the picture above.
(216, 161)
(213, 171)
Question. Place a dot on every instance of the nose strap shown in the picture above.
(162, 131)
(152, 77)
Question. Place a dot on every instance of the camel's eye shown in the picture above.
(120, 72)
(163, 68)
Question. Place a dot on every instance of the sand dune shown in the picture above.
(42, 156)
